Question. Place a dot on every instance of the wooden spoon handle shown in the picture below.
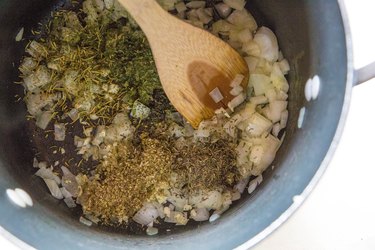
(148, 14)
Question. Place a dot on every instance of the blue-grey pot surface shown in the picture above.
(313, 37)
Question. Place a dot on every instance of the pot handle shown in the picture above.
(364, 74)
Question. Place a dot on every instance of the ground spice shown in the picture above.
(126, 179)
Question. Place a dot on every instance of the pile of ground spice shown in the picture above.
(206, 166)
(126, 179)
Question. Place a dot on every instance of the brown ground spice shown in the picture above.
(126, 179)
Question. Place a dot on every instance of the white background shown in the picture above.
(340, 212)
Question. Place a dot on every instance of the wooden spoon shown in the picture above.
(190, 61)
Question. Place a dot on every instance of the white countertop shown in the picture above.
(340, 212)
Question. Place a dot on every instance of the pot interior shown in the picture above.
(312, 38)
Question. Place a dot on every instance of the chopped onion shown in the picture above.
(241, 185)
(85, 221)
(261, 83)
(284, 66)
(242, 19)
(54, 188)
(70, 202)
(19, 35)
(216, 95)
(196, 4)
(251, 48)
(278, 79)
(46, 173)
(283, 119)
(267, 42)
(200, 214)
(147, 214)
(276, 107)
(222, 27)
(237, 80)
(223, 10)
(257, 124)
(235, 4)
(245, 36)
(236, 195)
(59, 131)
(276, 129)
(203, 16)
(180, 7)
(236, 101)
(236, 90)
(252, 62)
(69, 182)
(152, 231)
(261, 99)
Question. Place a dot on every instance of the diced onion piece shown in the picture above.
(278, 79)
(69, 182)
(28, 65)
(180, 7)
(237, 80)
(70, 202)
(235, 4)
(251, 48)
(243, 19)
(241, 185)
(236, 195)
(268, 45)
(261, 83)
(261, 99)
(19, 35)
(147, 214)
(209, 11)
(252, 62)
(203, 16)
(271, 94)
(276, 129)
(276, 107)
(282, 96)
(39, 78)
(54, 188)
(85, 221)
(221, 26)
(216, 95)
(284, 66)
(43, 119)
(270, 145)
(236, 90)
(223, 10)
(199, 214)
(247, 111)
(256, 154)
(196, 4)
(59, 131)
(245, 35)
(257, 125)
(283, 119)
(152, 231)
(235, 102)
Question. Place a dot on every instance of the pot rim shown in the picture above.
(302, 197)
(334, 144)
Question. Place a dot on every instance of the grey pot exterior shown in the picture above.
(313, 36)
